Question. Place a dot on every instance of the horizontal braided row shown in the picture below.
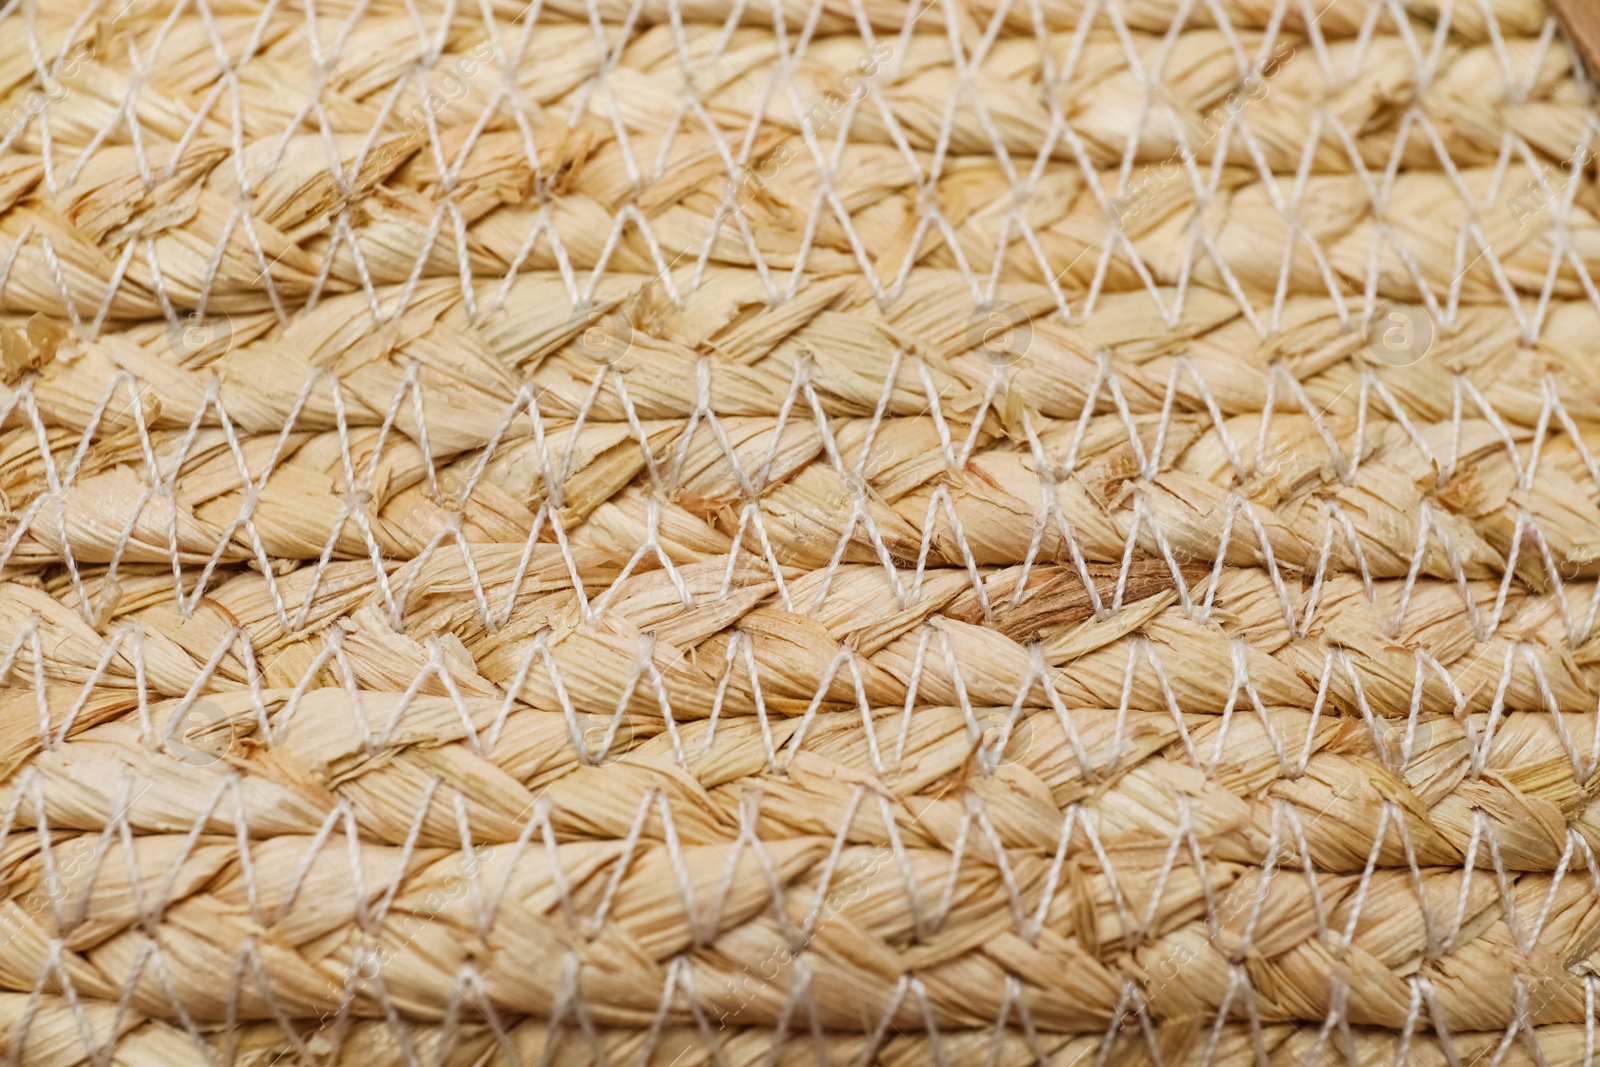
(848, 346)
(914, 502)
(54, 271)
(494, 153)
(1342, 19)
(422, 776)
(749, 74)
(57, 1033)
(295, 919)
(1143, 649)
(920, 486)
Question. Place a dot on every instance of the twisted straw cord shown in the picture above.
(56, 272)
(915, 503)
(295, 920)
(57, 1026)
(1462, 90)
(1147, 652)
(1343, 19)
(832, 330)
(1460, 790)
(1182, 479)
(286, 213)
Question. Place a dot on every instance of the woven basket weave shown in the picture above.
(726, 533)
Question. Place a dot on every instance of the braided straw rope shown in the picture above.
(690, 532)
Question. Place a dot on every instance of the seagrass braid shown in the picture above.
(1392, 643)
(761, 927)
(776, 451)
(442, 169)
(391, 673)
(165, 792)
(366, 1041)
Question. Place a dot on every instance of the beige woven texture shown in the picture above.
(714, 534)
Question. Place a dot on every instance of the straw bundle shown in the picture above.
(753, 533)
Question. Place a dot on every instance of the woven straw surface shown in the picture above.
(719, 532)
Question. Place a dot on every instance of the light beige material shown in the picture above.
(366, 1042)
(853, 533)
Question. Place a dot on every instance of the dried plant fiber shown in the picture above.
(728, 533)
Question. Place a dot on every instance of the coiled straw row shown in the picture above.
(855, 533)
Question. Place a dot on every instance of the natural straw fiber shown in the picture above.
(690, 532)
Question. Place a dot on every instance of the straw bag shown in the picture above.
(727, 532)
